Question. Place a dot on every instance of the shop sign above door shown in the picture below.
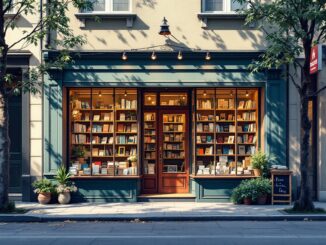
(316, 58)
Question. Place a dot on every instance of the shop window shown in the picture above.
(103, 132)
(109, 6)
(173, 99)
(221, 6)
(150, 99)
(226, 130)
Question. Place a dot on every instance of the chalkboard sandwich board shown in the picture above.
(282, 186)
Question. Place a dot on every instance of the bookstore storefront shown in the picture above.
(126, 128)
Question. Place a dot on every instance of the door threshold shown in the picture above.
(169, 195)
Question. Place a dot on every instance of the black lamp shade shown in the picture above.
(165, 31)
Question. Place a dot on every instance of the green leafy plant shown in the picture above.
(260, 160)
(62, 175)
(78, 151)
(43, 186)
(251, 188)
(63, 179)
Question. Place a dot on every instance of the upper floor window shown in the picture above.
(221, 6)
(110, 6)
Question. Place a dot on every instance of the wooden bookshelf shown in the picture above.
(104, 123)
(150, 143)
(226, 131)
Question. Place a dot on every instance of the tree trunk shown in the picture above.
(304, 203)
(4, 149)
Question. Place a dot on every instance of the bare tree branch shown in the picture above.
(317, 92)
(6, 9)
(21, 9)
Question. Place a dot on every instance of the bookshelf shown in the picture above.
(150, 143)
(173, 136)
(226, 131)
(103, 132)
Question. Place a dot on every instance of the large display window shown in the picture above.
(226, 131)
(103, 132)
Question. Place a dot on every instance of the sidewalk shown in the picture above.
(154, 211)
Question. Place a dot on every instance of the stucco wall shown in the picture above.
(184, 25)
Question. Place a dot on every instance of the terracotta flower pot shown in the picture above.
(247, 201)
(64, 198)
(262, 200)
(44, 197)
(257, 172)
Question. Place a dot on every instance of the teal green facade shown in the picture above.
(106, 69)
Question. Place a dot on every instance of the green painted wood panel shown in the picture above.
(106, 190)
(215, 190)
(275, 126)
(52, 123)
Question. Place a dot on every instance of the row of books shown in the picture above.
(127, 104)
(127, 116)
(204, 104)
(201, 117)
(173, 137)
(101, 152)
(247, 116)
(172, 146)
(127, 128)
(246, 150)
(225, 128)
(79, 128)
(102, 128)
(126, 139)
(173, 118)
(247, 104)
(150, 132)
(150, 147)
(205, 150)
(149, 125)
(80, 139)
(225, 103)
(247, 138)
(150, 139)
(170, 154)
(150, 155)
(173, 128)
(251, 127)
(102, 140)
(205, 127)
(78, 104)
(102, 117)
(225, 150)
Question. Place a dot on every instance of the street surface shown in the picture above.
(230, 232)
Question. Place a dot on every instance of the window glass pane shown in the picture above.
(173, 99)
(235, 5)
(150, 99)
(213, 5)
(120, 5)
(96, 6)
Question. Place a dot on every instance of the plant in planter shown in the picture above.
(243, 193)
(65, 186)
(79, 153)
(133, 160)
(263, 188)
(44, 188)
(259, 163)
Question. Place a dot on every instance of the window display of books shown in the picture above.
(225, 130)
(103, 122)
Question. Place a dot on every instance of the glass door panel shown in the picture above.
(173, 149)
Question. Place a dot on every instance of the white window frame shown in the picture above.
(109, 8)
(226, 8)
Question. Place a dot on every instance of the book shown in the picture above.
(96, 118)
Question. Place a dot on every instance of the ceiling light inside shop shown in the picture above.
(247, 94)
(100, 94)
(204, 93)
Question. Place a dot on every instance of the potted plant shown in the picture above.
(44, 188)
(243, 193)
(79, 153)
(65, 186)
(263, 187)
(133, 160)
(259, 163)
